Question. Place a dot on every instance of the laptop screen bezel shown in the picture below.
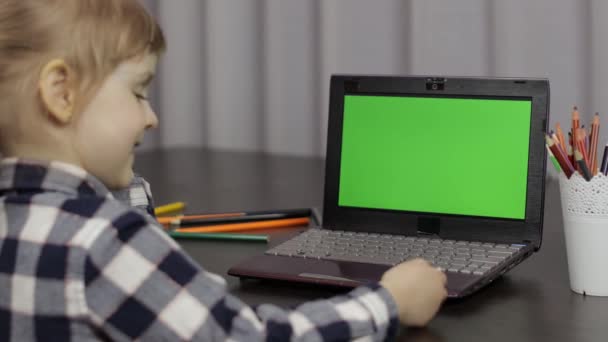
(528, 230)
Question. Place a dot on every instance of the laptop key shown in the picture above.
(463, 255)
(366, 260)
(501, 251)
(493, 258)
(500, 256)
(485, 260)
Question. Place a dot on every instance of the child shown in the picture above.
(76, 262)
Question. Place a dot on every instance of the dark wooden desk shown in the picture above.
(533, 302)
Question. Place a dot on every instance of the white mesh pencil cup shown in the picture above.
(585, 213)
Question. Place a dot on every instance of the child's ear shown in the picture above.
(56, 90)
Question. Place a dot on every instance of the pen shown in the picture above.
(236, 227)
(169, 208)
(583, 166)
(219, 236)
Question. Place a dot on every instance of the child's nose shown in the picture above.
(151, 119)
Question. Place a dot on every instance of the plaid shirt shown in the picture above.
(78, 263)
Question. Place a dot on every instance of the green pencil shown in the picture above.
(219, 236)
(558, 168)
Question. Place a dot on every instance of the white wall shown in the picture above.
(253, 74)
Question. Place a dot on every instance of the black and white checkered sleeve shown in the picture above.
(141, 285)
(138, 195)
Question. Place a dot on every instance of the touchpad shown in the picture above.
(344, 271)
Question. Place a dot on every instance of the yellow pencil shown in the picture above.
(169, 208)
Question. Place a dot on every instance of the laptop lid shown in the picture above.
(458, 158)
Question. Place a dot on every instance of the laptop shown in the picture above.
(449, 169)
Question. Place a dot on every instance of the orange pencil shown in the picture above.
(581, 146)
(560, 136)
(595, 132)
(236, 227)
(576, 119)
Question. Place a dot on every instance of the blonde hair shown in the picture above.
(92, 36)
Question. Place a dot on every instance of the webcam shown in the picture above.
(435, 83)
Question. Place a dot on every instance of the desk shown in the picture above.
(533, 302)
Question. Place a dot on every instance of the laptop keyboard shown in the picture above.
(464, 257)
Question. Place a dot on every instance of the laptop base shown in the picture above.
(338, 273)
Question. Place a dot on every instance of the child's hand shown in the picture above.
(418, 289)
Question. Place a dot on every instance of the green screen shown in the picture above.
(436, 155)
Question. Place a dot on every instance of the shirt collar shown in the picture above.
(27, 175)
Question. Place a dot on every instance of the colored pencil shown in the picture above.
(581, 146)
(575, 127)
(571, 150)
(237, 227)
(560, 136)
(169, 208)
(214, 221)
(553, 160)
(219, 236)
(604, 168)
(595, 131)
(555, 139)
(561, 158)
(231, 217)
(584, 170)
(168, 219)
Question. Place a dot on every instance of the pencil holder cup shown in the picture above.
(585, 213)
